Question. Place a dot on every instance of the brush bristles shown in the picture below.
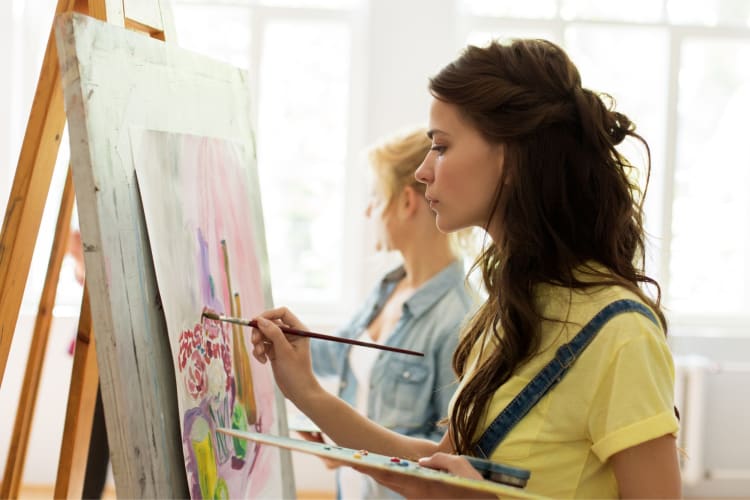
(211, 315)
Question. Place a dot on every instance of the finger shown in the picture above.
(259, 353)
(441, 461)
(307, 436)
(273, 333)
(291, 338)
(284, 315)
(310, 436)
(259, 341)
(260, 346)
(451, 463)
(383, 477)
(331, 464)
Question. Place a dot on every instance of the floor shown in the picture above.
(35, 491)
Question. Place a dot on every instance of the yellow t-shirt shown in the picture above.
(618, 394)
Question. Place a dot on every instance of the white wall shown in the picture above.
(727, 410)
(49, 416)
(6, 51)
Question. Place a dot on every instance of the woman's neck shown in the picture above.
(422, 262)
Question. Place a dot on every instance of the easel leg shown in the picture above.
(30, 187)
(98, 456)
(81, 401)
(27, 401)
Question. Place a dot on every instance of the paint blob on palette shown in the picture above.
(363, 458)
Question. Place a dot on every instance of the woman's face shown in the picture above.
(461, 171)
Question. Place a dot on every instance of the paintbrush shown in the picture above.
(313, 335)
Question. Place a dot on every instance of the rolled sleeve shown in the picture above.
(635, 400)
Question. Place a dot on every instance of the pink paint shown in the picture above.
(267, 455)
(196, 192)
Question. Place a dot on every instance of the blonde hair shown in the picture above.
(394, 161)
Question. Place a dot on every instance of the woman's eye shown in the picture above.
(439, 149)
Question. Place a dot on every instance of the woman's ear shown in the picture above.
(409, 201)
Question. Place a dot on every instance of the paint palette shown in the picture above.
(363, 458)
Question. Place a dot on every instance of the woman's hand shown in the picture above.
(289, 354)
(411, 487)
(317, 437)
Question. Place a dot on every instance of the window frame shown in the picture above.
(330, 313)
(661, 182)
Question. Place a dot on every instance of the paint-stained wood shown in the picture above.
(115, 82)
(20, 228)
(14, 465)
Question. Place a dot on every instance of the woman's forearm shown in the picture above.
(348, 428)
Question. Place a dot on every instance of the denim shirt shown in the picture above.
(408, 394)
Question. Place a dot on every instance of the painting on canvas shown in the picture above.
(202, 208)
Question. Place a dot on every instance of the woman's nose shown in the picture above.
(423, 173)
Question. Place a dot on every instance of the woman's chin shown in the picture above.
(446, 226)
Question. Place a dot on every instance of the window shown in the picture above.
(24, 30)
(298, 54)
(323, 86)
(679, 70)
(711, 208)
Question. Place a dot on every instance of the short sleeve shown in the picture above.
(634, 402)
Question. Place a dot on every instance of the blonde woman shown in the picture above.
(420, 305)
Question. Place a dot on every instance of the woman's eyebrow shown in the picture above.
(434, 131)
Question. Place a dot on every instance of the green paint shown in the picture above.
(239, 422)
(211, 285)
(222, 492)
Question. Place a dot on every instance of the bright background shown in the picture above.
(330, 77)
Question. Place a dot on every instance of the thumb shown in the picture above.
(455, 464)
(439, 460)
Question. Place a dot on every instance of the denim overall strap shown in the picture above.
(551, 374)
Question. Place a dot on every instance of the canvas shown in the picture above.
(147, 114)
(206, 231)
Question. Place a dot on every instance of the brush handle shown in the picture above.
(322, 336)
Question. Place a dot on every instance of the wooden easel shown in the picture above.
(20, 228)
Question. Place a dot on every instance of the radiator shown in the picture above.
(691, 377)
(690, 398)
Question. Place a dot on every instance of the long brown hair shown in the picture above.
(566, 197)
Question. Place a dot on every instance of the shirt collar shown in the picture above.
(430, 291)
